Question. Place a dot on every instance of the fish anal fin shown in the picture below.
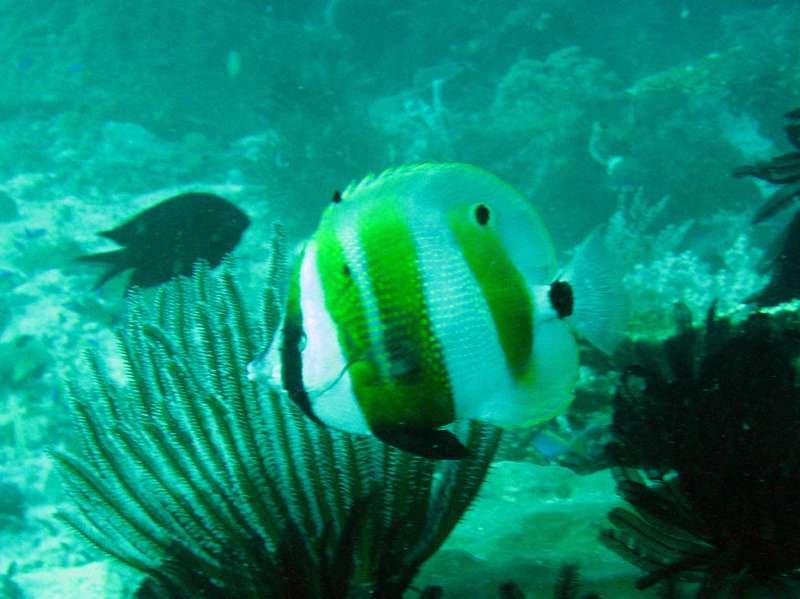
(117, 261)
(143, 277)
(434, 444)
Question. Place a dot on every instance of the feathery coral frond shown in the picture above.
(215, 487)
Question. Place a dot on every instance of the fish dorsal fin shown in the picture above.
(372, 179)
(123, 234)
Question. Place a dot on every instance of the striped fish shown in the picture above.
(428, 294)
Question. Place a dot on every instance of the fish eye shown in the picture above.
(481, 214)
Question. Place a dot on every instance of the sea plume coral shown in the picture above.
(714, 418)
(214, 487)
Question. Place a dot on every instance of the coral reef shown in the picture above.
(104, 112)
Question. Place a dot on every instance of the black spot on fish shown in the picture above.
(481, 214)
(337, 197)
(561, 298)
(168, 239)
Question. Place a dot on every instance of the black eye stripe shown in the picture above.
(481, 214)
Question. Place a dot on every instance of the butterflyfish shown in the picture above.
(430, 294)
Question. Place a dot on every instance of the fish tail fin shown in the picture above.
(116, 259)
(601, 306)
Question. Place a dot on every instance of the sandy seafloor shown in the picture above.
(648, 149)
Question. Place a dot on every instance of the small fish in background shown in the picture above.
(430, 294)
(783, 262)
(167, 239)
(579, 450)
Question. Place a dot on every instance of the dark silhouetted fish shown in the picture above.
(784, 282)
(166, 240)
(782, 170)
(783, 263)
(793, 129)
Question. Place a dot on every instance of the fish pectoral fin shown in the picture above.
(434, 444)
(601, 307)
(327, 385)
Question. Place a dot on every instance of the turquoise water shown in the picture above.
(629, 114)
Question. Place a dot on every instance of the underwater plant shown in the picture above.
(714, 419)
(214, 487)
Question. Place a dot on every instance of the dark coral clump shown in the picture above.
(714, 419)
